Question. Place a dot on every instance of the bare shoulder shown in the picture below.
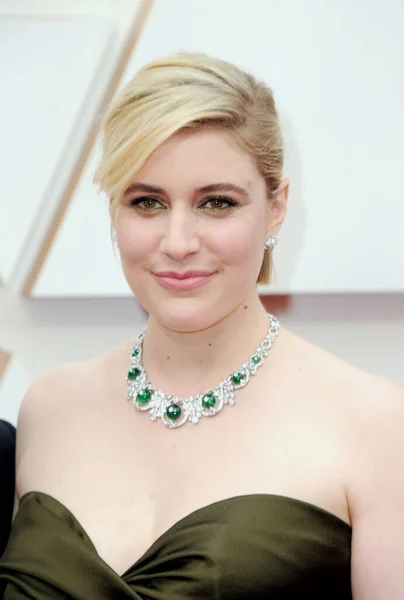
(63, 393)
(376, 444)
(368, 411)
(352, 385)
(44, 392)
(364, 395)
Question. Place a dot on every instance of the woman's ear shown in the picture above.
(279, 207)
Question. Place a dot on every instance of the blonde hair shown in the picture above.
(185, 92)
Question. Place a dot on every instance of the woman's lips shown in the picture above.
(182, 282)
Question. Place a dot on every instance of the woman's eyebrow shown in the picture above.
(212, 187)
(144, 187)
(223, 187)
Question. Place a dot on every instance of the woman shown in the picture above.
(291, 482)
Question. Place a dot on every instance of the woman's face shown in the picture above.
(192, 227)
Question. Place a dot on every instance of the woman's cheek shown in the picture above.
(135, 241)
(239, 243)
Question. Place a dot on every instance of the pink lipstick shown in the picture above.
(188, 280)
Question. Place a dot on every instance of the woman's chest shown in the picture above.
(128, 484)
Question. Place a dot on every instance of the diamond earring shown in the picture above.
(271, 242)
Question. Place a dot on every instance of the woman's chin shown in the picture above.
(186, 316)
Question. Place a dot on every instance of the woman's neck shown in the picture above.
(184, 364)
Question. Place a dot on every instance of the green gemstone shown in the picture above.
(133, 373)
(237, 377)
(255, 359)
(208, 401)
(173, 412)
(135, 352)
(144, 396)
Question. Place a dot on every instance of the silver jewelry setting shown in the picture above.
(271, 242)
(174, 411)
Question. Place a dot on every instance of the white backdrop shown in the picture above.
(47, 79)
(337, 71)
(337, 75)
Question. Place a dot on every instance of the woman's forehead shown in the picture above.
(204, 158)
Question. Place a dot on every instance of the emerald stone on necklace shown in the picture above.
(174, 411)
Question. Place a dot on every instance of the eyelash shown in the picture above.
(230, 203)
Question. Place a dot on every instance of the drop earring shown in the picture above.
(271, 242)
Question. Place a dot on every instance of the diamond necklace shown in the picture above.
(174, 411)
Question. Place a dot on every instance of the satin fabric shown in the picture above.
(258, 546)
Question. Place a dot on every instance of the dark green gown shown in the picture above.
(258, 546)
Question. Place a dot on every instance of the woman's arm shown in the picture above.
(377, 494)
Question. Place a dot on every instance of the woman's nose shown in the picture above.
(180, 237)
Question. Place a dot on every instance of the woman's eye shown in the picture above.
(149, 204)
(146, 203)
(218, 203)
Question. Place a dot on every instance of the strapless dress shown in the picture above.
(258, 546)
